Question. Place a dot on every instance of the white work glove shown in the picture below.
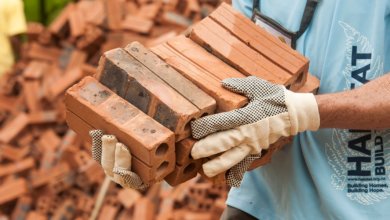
(115, 159)
(240, 135)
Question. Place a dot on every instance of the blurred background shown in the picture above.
(46, 170)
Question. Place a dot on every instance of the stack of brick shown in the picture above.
(179, 81)
(46, 169)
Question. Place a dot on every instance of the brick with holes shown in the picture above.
(186, 167)
(184, 172)
(92, 105)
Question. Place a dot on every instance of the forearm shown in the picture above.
(367, 107)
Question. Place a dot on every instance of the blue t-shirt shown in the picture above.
(331, 173)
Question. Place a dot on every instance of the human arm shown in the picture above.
(366, 107)
(234, 137)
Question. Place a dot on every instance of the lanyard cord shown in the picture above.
(310, 8)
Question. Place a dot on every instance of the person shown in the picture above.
(12, 24)
(340, 171)
(337, 166)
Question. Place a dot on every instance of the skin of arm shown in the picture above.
(366, 107)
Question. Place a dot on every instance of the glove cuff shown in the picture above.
(303, 112)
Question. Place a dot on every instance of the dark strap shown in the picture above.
(306, 18)
(256, 4)
(310, 8)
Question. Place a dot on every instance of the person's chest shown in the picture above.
(347, 42)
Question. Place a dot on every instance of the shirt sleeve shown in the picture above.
(244, 6)
(16, 21)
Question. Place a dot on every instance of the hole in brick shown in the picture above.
(299, 79)
(204, 114)
(162, 167)
(189, 168)
(188, 125)
(162, 149)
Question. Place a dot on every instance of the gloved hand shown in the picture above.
(240, 135)
(115, 159)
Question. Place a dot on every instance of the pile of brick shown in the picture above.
(46, 169)
(147, 98)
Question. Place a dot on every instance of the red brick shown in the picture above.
(35, 70)
(32, 89)
(60, 85)
(43, 203)
(34, 215)
(77, 59)
(173, 18)
(311, 85)
(183, 151)
(192, 9)
(89, 174)
(13, 153)
(262, 42)
(22, 207)
(13, 128)
(128, 197)
(161, 39)
(115, 13)
(34, 29)
(170, 76)
(170, 5)
(42, 177)
(133, 81)
(43, 117)
(16, 167)
(131, 7)
(191, 215)
(184, 172)
(226, 100)
(60, 25)
(137, 24)
(36, 51)
(12, 190)
(77, 23)
(149, 11)
(82, 129)
(92, 37)
(231, 50)
(145, 209)
(66, 210)
(148, 141)
(108, 212)
(204, 59)
(8, 103)
(94, 11)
